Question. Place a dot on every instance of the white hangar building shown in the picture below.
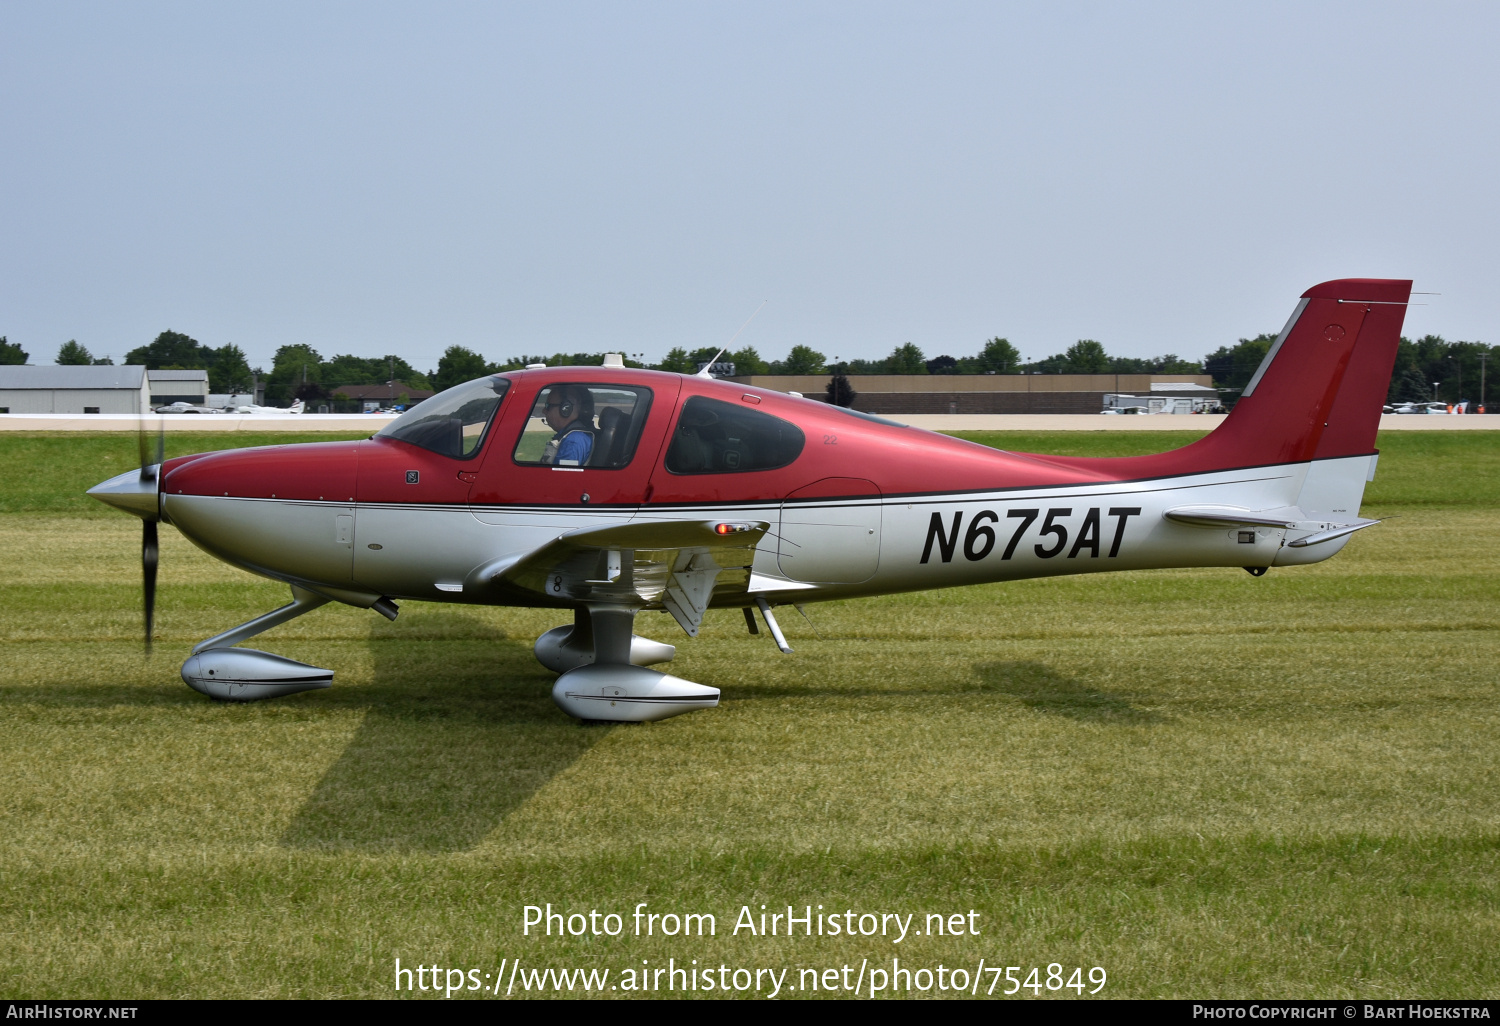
(73, 390)
(178, 386)
(83, 390)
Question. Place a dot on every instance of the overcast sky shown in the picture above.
(374, 178)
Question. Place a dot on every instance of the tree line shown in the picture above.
(995, 356)
(1427, 368)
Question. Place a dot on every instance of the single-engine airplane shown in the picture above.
(274, 411)
(648, 490)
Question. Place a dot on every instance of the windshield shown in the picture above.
(452, 423)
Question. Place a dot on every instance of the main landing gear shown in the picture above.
(604, 670)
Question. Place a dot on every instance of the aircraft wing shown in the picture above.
(678, 565)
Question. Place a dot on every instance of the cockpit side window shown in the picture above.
(584, 425)
(452, 423)
(714, 437)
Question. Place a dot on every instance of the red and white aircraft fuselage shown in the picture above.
(698, 493)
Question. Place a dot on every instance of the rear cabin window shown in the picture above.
(714, 437)
(584, 425)
(452, 423)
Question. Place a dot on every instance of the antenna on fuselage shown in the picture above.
(709, 366)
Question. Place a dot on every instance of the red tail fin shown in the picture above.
(1319, 391)
(1317, 394)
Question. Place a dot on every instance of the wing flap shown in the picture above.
(677, 565)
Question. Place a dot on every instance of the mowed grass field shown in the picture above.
(1209, 784)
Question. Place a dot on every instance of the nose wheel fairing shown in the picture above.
(249, 675)
(219, 670)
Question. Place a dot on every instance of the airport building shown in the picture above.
(374, 397)
(90, 389)
(76, 390)
(178, 386)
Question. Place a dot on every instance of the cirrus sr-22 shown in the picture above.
(605, 491)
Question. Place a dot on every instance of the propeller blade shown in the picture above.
(151, 460)
(151, 456)
(143, 447)
(149, 554)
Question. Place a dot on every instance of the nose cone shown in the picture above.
(131, 492)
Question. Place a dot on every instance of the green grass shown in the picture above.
(48, 472)
(1209, 784)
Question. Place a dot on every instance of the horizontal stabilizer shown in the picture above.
(1288, 518)
(1231, 516)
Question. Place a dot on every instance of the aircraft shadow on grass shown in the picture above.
(439, 760)
(1042, 688)
(1037, 685)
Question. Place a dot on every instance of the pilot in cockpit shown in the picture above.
(569, 413)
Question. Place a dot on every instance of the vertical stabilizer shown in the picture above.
(1319, 391)
(1317, 395)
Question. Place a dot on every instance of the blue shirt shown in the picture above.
(575, 447)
